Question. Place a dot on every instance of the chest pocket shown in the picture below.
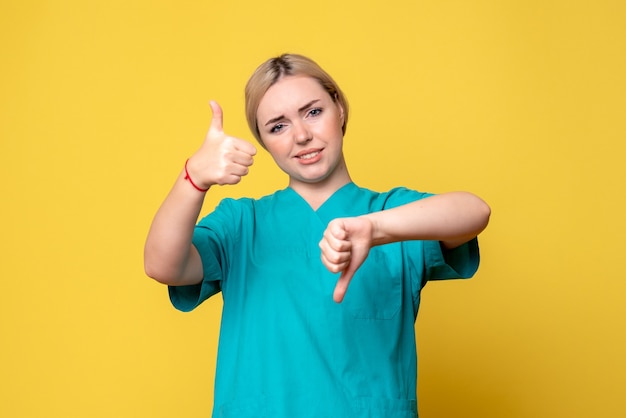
(375, 291)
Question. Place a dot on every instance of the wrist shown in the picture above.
(192, 182)
(379, 233)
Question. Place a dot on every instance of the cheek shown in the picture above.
(336, 129)
(330, 128)
(277, 147)
(338, 123)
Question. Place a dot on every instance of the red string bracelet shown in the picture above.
(191, 181)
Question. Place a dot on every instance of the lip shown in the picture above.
(308, 151)
(314, 159)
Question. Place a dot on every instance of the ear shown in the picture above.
(341, 111)
(342, 117)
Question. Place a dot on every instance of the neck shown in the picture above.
(315, 194)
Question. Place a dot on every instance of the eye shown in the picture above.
(277, 128)
(315, 112)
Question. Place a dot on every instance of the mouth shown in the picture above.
(308, 154)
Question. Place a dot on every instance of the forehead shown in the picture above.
(289, 94)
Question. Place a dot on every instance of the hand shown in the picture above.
(222, 159)
(345, 246)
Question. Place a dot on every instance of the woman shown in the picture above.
(321, 280)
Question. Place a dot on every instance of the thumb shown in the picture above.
(217, 122)
(342, 284)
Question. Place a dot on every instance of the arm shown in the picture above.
(169, 255)
(452, 218)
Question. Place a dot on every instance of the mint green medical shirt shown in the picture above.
(286, 349)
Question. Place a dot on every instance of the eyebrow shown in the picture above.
(278, 118)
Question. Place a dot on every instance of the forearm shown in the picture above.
(169, 256)
(452, 218)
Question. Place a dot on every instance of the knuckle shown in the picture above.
(336, 258)
(334, 268)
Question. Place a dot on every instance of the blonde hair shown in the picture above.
(272, 70)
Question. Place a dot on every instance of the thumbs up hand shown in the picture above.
(222, 159)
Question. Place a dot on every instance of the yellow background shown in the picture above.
(522, 102)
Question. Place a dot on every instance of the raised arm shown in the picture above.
(452, 218)
(169, 255)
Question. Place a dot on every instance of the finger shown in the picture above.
(334, 250)
(246, 147)
(337, 228)
(333, 243)
(342, 285)
(337, 257)
(231, 179)
(335, 266)
(241, 158)
(239, 170)
(217, 121)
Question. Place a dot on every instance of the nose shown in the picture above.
(301, 133)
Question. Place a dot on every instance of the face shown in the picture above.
(301, 127)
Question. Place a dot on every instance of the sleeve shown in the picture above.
(211, 239)
(458, 263)
(428, 259)
(433, 262)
